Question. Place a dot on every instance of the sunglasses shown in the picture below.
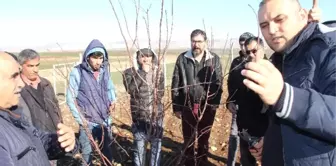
(251, 51)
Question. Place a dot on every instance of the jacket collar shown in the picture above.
(241, 54)
(14, 115)
(189, 55)
(31, 83)
(301, 37)
(40, 80)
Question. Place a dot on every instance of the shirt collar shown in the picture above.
(29, 82)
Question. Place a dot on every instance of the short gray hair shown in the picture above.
(26, 55)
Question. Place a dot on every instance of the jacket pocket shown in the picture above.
(321, 159)
(24, 152)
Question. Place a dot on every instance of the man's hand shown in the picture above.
(66, 137)
(146, 67)
(264, 79)
(315, 13)
(256, 151)
(232, 108)
(178, 114)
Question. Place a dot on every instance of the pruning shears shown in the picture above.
(251, 140)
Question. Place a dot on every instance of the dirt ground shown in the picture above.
(172, 140)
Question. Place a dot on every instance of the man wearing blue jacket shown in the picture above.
(299, 86)
(91, 97)
(21, 144)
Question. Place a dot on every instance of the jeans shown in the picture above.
(97, 134)
(140, 146)
(233, 141)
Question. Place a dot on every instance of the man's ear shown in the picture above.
(303, 14)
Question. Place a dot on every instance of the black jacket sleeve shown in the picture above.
(177, 100)
(231, 81)
(131, 81)
(216, 87)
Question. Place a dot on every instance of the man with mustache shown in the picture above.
(91, 97)
(299, 86)
(245, 103)
(22, 104)
(38, 93)
(196, 94)
(233, 83)
(21, 144)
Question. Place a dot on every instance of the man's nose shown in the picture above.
(35, 69)
(273, 28)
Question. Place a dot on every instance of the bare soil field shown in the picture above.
(172, 140)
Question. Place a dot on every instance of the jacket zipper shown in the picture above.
(195, 82)
(282, 73)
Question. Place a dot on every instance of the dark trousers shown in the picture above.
(246, 158)
(189, 121)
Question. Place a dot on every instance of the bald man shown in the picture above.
(20, 143)
(22, 104)
(299, 86)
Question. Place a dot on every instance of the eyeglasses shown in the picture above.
(197, 41)
(253, 51)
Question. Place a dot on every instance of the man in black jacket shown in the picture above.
(196, 94)
(235, 67)
(38, 93)
(146, 93)
(245, 103)
(254, 120)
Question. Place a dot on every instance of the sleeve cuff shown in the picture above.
(74, 151)
(283, 106)
(277, 107)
